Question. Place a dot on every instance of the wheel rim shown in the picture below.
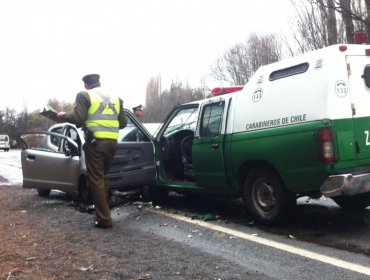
(263, 197)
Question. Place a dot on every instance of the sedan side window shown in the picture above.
(56, 140)
(132, 133)
(40, 141)
(73, 134)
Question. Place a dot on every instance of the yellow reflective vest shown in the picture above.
(102, 118)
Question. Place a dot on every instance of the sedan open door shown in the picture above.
(133, 164)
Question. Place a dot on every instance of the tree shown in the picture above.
(347, 19)
(239, 63)
(13, 123)
(153, 107)
(354, 13)
(160, 103)
(322, 23)
(315, 26)
(60, 105)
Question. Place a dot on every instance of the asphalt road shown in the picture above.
(321, 241)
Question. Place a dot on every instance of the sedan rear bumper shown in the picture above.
(346, 184)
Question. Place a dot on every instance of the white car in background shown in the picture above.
(4, 142)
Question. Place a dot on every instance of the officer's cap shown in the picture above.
(91, 79)
(138, 107)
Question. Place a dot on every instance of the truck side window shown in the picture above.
(211, 119)
(290, 71)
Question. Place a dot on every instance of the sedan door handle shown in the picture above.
(31, 157)
(214, 146)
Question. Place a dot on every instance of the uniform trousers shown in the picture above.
(98, 160)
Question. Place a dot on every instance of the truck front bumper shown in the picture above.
(346, 184)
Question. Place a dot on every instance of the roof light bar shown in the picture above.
(224, 90)
(342, 48)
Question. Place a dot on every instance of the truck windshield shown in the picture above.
(184, 119)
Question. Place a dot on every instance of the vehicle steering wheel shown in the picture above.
(186, 146)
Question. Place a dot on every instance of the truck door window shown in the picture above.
(211, 119)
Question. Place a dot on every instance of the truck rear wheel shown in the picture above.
(356, 202)
(266, 199)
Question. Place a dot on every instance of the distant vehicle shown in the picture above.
(4, 142)
(55, 160)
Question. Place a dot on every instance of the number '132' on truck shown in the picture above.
(299, 127)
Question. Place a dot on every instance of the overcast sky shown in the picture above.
(47, 46)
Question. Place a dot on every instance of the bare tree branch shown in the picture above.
(239, 63)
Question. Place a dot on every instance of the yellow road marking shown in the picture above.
(281, 246)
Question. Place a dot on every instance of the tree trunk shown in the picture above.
(367, 20)
(347, 20)
(332, 23)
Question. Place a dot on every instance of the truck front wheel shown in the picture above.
(266, 199)
(356, 202)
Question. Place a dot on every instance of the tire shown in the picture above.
(266, 198)
(356, 202)
(84, 192)
(43, 192)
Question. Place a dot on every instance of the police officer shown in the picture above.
(138, 111)
(102, 115)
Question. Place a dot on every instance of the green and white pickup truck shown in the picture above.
(299, 127)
